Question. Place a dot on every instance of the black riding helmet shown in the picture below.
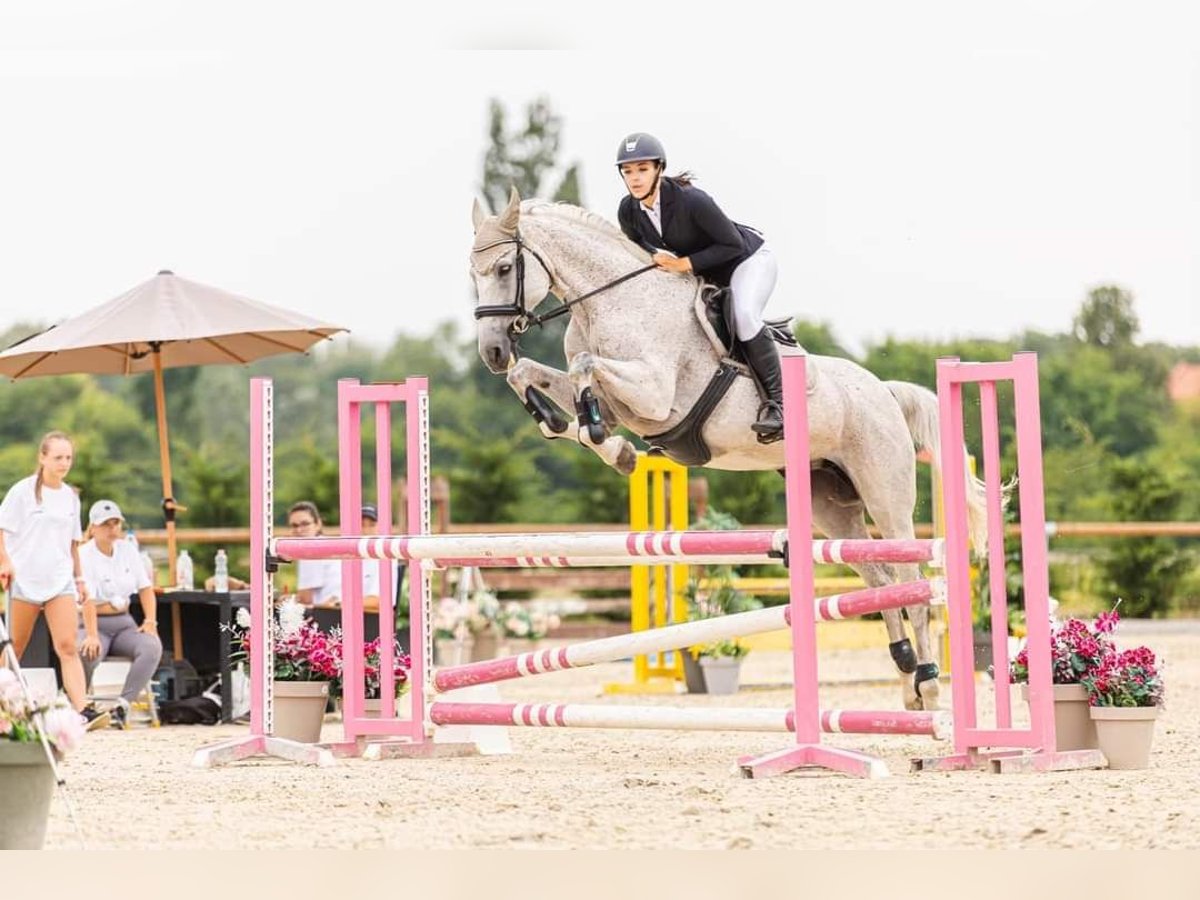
(639, 147)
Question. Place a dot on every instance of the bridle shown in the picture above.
(523, 319)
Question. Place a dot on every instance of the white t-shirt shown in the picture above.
(372, 574)
(113, 579)
(38, 538)
(324, 578)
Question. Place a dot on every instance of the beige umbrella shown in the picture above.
(165, 322)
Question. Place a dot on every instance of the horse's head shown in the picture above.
(506, 271)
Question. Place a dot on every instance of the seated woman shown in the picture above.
(319, 581)
(114, 573)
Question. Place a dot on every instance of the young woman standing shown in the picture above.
(39, 566)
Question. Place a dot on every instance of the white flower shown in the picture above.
(291, 617)
(243, 617)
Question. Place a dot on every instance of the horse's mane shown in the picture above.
(568, 212)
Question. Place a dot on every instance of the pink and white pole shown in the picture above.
(685, 634)
(573, 715)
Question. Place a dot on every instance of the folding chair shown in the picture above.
(108, 680)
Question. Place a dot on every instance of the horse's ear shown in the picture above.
(512, 213)
(477, 215)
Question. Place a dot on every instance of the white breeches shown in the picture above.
(752, 283)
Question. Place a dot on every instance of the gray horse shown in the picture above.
(642, 353)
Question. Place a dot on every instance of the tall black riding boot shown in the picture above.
(763, 357)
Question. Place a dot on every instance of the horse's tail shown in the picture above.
(920, 408)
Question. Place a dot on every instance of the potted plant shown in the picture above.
(1125, 693)
(463, 629)
(26, 776)
(1076, 649)
(721, 663)
(308, 666)
(373, 670)
(522, 628)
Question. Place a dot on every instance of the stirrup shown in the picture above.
(768, 433)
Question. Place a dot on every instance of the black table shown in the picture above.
(206, 644)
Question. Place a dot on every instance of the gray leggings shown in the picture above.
(119, 635)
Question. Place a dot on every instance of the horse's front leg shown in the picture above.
(645, 389)
(546, 392)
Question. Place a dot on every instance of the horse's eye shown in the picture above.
(503, 269)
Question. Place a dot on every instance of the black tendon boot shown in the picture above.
(763, 356)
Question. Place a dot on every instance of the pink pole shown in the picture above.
(260, 534)
(684, 634)
(800, 571)
(997, 578)
(387, 613)
(957, 563)
(569, 715)
(1033, 550)
(350, 496)
(601, 548)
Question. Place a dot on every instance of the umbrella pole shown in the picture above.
(169, 506)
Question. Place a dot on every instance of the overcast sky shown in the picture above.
(922, 170)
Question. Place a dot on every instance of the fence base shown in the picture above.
(1013, 761)
(847, 762)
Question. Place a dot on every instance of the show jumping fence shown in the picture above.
(1004, 747)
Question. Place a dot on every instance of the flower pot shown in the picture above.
(1073, 727)
(1125, 734)
(300, 710)
(452, 652)
(26, 786)
(693, 675)
(721, 673)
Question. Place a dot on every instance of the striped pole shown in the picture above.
(673, 637)
(573, 715)
(600, 548)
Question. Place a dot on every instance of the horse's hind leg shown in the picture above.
(839, 513)
(539, 386)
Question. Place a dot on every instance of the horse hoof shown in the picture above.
(626, 459)
(929, 692)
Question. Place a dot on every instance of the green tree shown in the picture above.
(1145, 572)
(1106, 318)
(523, 158)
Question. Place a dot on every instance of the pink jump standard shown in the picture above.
(1002, 748)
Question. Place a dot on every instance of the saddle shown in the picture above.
(714, 309)
(685, 443)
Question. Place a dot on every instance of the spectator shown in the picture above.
(318, 581)
(373, 568)
(114, 573)
(40, 568)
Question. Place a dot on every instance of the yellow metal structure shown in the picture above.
(658, 501)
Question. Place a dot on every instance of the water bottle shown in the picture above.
(221, 573)
(183, 572)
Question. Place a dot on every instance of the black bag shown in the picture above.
(192, 711)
